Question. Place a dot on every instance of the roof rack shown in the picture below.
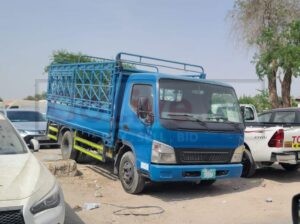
(135, 59)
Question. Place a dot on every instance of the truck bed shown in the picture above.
(81, 96)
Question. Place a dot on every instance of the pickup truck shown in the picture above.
(153, 126)
(274, 138)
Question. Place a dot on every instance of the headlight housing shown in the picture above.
(162, 153)
(238, 154)
(50, 200)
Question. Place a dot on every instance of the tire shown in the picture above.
(289, 167)
(248, 164)
(131, 180)
(66, 147)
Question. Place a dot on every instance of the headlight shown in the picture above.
(238, 154)
(51, 200)
(162, 153)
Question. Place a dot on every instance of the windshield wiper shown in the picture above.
(195, 118)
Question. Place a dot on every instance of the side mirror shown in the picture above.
(296, 209)
(144, 110)
(34, 145)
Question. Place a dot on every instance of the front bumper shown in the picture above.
(19, 212)
(292, 157)
(162, 173)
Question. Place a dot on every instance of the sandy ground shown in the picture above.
(231, 201)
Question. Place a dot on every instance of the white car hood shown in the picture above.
(21, 175)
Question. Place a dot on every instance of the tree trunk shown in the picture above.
(286, 89)
(273, 97)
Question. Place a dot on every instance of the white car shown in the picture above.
(274, 139)
(29, 193)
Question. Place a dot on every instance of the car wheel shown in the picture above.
(248, 164)
(289, 167)
(66, 146)
(131, 180)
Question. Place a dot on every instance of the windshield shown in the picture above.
(10, 143)
(194, 101)
(25, 116)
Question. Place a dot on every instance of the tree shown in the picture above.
(289, 59)
(65, 57)
(260, 101)
(261, 24)
(37, 97)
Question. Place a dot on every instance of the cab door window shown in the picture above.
(141, 92)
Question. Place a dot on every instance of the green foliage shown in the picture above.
(260, 101)
(65, 57)
(282, 51)
(37, 97)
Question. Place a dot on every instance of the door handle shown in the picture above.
(125, 127)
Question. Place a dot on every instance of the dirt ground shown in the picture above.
(265, 198)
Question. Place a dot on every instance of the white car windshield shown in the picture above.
(10, 143)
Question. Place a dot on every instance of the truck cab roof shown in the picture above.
(157, 76)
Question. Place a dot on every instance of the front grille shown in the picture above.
(11, 217)
(203, 157)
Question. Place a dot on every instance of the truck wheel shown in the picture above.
(66, 147)
(248, 164)
(289, 167)
(131, 180)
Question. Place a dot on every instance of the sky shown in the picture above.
(193, 31)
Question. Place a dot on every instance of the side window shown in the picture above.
(138, 91)
(248, 114)
(285, 117)
(264, 117)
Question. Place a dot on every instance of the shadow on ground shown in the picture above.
(276, 173)
(180, 191)
(71, 216)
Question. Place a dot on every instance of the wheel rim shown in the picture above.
(128, 173)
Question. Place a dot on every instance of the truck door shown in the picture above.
(135, 128)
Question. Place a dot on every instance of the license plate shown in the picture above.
(208, 174)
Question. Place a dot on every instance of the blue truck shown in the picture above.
(153, 126)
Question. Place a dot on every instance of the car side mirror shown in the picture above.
(144, 110)
(34, 145)
(296, 209)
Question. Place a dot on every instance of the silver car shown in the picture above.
(30, 124)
